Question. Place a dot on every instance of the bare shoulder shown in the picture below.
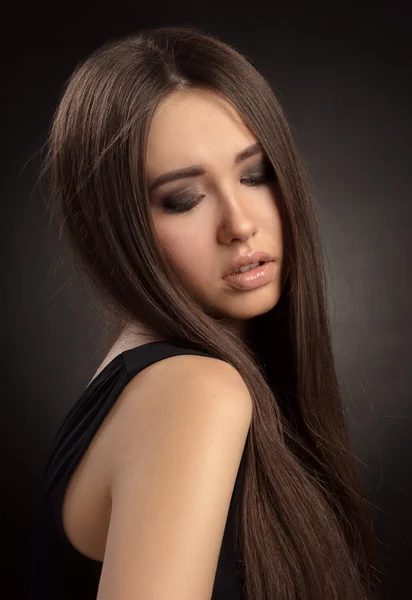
(174, 479)
(166, 393)
(191, 373)
(192, 368)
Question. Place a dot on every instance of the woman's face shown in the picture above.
(227, 217)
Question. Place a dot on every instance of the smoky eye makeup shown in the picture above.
(255, 175)
(175, 199)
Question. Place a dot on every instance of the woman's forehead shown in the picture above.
(194, 127)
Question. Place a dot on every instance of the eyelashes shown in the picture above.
(180, 203)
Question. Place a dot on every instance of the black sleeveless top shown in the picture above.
(59, 570)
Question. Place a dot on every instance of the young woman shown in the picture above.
(209, 456)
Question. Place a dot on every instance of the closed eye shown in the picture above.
(181, 203)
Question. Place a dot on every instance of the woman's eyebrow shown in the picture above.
(195, 170)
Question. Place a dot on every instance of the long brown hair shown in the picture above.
(306, 529)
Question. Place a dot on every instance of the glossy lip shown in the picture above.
(247, 259)
(253, 278)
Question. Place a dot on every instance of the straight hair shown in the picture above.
(305, 528)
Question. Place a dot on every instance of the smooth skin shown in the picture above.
(151, 495)
(233, 217)
(173, 482)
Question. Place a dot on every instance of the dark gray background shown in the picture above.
(343, 75)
